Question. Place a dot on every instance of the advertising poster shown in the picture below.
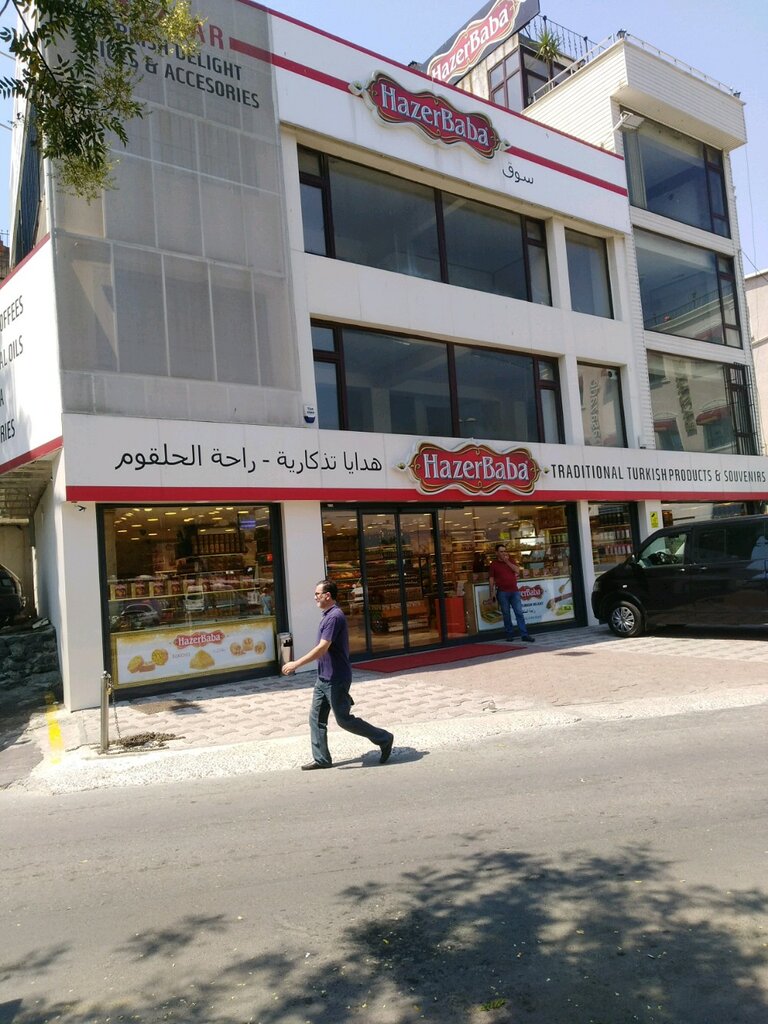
(181, 652)
(545, 599)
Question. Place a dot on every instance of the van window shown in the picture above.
(668, 549)
(738, 542)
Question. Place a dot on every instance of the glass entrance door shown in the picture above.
(398, 553)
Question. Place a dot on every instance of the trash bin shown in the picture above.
(284, 648)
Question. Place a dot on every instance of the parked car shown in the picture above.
(709, 573)
(12, 599)
(139, 615)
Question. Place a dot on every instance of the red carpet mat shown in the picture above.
(421, 659)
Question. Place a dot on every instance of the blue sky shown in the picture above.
(728, 43)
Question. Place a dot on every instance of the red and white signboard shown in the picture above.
(438, 119)
(475, 39)
(30, 391)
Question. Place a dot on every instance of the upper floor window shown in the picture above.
(588, 274)
(513, 82)
(676, 176)
(365, 216)
(371, 381)
(700, 406)
(602, 415)
(687, 291)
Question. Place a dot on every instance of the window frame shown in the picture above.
(541, 382)
(529, 241)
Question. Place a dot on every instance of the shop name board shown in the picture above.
(431, 114)
(473, 469)
(468, 47)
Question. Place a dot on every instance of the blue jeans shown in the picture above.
(329, 696)
(507, 599)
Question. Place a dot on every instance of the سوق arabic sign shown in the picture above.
(434, 115)
(491, 26)
(474, 469)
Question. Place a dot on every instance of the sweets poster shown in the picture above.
(181, 652)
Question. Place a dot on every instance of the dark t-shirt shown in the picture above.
(334, 664)
(503, 576)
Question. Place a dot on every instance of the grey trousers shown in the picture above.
(329, 696)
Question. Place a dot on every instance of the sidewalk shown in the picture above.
(564, 678)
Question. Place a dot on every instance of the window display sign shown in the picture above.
(545, 599)
(151, 656)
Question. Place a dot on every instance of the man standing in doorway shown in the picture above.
(334, 678)
(502, 581)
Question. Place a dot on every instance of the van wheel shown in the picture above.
(625, 619)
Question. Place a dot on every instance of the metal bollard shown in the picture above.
(106, 689)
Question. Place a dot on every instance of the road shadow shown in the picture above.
(481, 938)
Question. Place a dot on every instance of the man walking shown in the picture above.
(502, 582)
(334, 678)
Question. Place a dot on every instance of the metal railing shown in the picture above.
(585, 56)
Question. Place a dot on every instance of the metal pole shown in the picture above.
(106, 689)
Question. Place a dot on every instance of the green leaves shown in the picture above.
(77, 64)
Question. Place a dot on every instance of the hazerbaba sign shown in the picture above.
(473, 469)
(476, 38)
(434, 115)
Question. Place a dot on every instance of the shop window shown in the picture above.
(366, 216)
(676, 176)
(602, 416)
(687, 291)
(700, 406)
(386, 383)
(190, 592)
(610, 528)
(588, 274)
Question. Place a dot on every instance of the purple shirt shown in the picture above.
(334, 664)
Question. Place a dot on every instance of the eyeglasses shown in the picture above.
(319, 593)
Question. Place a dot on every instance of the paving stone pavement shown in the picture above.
(565, 677)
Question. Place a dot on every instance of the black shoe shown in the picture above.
(313, 765)
(529, 639)
(386, 750)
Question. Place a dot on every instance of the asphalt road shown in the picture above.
(606, 873)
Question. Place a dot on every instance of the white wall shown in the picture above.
(304, 566)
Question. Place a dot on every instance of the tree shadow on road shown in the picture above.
(483, 938)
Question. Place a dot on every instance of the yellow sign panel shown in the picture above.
(185, 651)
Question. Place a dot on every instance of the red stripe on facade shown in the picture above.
(36, 453)
(258, 53)
(564, 169)
(27, 258)
(207, 495)
(421, 74)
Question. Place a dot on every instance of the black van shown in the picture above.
(710, 573)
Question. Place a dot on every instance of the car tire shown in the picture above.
(625, 619)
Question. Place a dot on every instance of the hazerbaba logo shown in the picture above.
(474, 469)
(434, 115)
(469, 45)
(529, 593)
(199, 639)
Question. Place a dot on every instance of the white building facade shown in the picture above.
(338, 317)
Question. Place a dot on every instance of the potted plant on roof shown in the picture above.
(548, 49)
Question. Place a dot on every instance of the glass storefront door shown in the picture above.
(400, 579)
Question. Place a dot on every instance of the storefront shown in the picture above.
(412, 577)
(189, 592)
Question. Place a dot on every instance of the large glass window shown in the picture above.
(695, 408)
(499, 396)
(190, 591)
(676, 176)
(366, 216)
(388, 383)
(588, 274)
(686, 290)
(601, 408)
